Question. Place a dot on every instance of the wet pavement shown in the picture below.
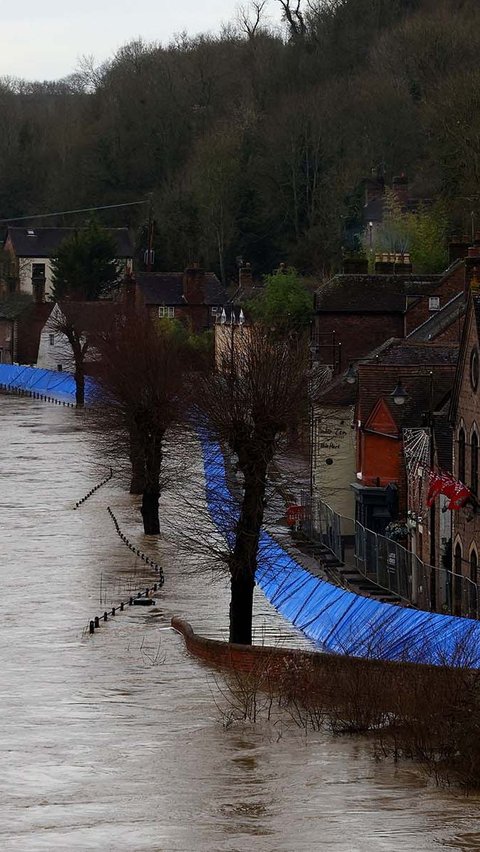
(118, 741)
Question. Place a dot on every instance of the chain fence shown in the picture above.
(388, 564)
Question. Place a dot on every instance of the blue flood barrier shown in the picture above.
(58, 385)
(337, 620)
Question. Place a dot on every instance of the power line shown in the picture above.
(65, 212)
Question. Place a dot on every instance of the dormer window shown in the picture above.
(30, 233)
(434, 303)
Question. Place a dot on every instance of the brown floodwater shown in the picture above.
(119, 741)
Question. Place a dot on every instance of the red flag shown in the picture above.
(445, 483)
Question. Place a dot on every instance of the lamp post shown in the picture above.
(399, 396)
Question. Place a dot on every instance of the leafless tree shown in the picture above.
(247, 405)
(250, 18)
(140, 378)
(78, 324)
(293, 15)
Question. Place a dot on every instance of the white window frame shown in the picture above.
(166, 311)
(434, 303)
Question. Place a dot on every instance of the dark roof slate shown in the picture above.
(44, 242)
(166, 288)
(440, 320)
(373, 293)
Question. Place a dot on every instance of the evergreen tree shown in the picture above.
(85, 268)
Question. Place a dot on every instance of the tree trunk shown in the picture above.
(149, 510)
(243, 561)
(137, 460)
(241, 608)
(151, 492)
(79, 386)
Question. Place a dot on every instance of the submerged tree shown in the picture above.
(140, 376)
(247, 405)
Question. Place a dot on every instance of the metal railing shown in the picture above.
(388, 564)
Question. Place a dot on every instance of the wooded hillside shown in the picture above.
(253, 143)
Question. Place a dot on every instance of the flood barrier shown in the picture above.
(337, 620)
(47, 385)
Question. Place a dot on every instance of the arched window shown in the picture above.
(473, 585)
(457, 581)
(474, 464)
(461, 455)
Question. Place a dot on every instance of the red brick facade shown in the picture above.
(466, 424)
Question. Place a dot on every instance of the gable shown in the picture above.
(381, 421)
(470, 340)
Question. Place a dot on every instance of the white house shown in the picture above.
(33, 249)
(89, 318)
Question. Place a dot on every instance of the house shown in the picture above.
(54, 351)
(194, 297)
(32, 250)
(21, 321)
(424, 375)
(465, 420)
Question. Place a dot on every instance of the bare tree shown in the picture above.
(250, 18)
(254, 399)
(293, 15)
(78, 325)
(140, 377)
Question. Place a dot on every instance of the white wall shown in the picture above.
(333, 439)
(60, 352)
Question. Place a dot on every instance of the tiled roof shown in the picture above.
(440, 320)
(373, 293)
(166, 288)
(44, 242)
(413, 353)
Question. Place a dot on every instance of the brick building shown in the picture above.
(194, 296)
(426, 372)
(465, 417)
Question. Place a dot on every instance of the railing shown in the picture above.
(390, 565)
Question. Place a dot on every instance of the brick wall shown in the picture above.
(450, 285)
(358, 333)
(334, 679)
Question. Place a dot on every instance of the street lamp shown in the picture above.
(399, 395)
(350, 376)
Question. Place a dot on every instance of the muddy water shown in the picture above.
(118, 741)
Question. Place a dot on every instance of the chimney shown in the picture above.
(400, 189)
(194, 285)
(129, 292)
(245, 279)
(355, 264)
(458, 248)
(393, 263)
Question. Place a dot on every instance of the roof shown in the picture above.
(472, 320)
(406, 353)
(44, 242)
(373, 293)
(166, 288)
(440, 320)
(426, 370)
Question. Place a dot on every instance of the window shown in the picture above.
(457, 582)
(434, 303)
(474, 464)
(166, 311)
(461, 455)
(51, 339)
(214, 310)
(38, 270)
(474, 369)
(473, 603)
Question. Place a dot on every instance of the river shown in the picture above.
(119, 741)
